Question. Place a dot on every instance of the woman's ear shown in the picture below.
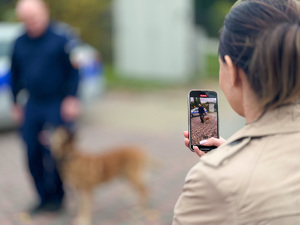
(233, 71)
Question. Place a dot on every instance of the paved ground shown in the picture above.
(201, 131)
(153, 119)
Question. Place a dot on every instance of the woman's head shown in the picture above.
(262, 37)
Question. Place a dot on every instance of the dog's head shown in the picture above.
(61, 142)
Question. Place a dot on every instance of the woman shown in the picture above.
(254, 177)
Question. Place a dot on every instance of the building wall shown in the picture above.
(154, 39)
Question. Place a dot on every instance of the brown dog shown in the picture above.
(84, 172)
(206, 118)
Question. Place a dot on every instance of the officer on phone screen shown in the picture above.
(201, 113)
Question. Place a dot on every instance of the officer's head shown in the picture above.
(35, 15)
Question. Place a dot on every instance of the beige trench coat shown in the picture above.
(252, 179)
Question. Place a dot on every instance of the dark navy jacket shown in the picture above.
(42, 65)
(201, 110)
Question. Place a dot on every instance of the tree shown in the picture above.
(210, 14)
(92, 18)
(7, 10)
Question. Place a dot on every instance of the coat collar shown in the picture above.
(285, 119)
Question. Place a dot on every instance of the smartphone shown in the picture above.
(203, 117)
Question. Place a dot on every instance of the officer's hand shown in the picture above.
(70, 109)
(17, 114)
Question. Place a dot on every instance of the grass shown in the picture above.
(212, 66)
(115, 80)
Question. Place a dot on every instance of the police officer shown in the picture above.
(201, 113)
(41, 65)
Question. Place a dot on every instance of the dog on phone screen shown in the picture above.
(84, 172)
(206, 119)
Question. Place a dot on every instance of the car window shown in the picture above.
(5, 48)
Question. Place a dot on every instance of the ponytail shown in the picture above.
(274, 72)
(262, 37)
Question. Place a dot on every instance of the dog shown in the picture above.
(206, 119)
(84, 172)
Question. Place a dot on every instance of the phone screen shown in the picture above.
(203, 117)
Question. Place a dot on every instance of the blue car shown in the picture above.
(90, 68)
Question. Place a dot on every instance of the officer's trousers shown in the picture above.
(42, 166)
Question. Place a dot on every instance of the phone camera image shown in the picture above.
(203, 118)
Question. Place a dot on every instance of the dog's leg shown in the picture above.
(84, 215)
(135, 178)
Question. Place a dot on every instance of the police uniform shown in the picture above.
(42, 67)
(252, 179)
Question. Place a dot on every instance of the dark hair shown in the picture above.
(263, 38)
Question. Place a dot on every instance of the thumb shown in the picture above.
(213, 142)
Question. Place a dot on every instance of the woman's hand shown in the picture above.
(208, 142)
(187, 144)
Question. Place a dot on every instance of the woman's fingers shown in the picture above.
(187, 142)
(186, 138)
(213, 142)
(207, 142)
(198, 151)
(186, 134)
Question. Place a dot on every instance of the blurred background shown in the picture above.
(138, 60)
